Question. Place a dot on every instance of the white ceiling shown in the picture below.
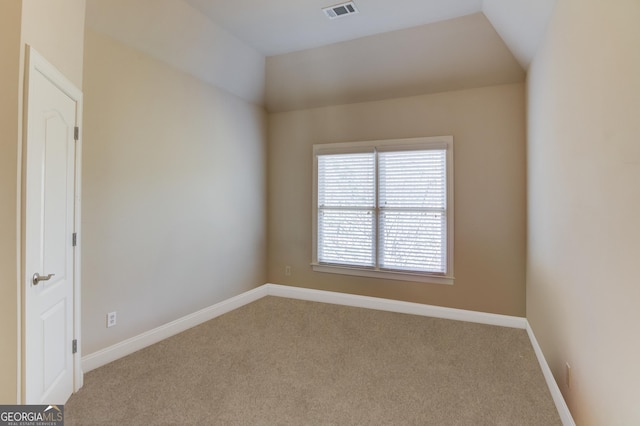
(275, 27)
(280, 26)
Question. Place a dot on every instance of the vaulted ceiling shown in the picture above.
(459, 53)
(281, 26)
(390, 48)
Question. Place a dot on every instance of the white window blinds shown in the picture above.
(346, 209)
(412, 210)
(383, 210)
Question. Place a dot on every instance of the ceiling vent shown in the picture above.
(340, 10)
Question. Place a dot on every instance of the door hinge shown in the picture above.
(76, 133)
(74, 239)
(74, 346)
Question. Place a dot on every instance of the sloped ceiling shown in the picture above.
(389, 49)
(456, 54)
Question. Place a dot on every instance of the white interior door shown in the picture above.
(49, 218)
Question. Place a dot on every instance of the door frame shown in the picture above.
(36, 63)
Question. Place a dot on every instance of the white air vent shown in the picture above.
(340, 10)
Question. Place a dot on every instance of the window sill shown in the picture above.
(389, 275)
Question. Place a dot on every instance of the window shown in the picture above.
(385, 209)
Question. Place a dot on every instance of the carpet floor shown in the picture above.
(281, 361)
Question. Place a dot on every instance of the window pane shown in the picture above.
(413, 241)
(413, 179)
(346, 180)
(345, 237)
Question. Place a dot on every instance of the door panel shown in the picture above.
(57, 185)
(55, 356)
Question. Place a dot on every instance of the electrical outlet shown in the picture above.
(111, 319)
(287, 270)
(567, 375)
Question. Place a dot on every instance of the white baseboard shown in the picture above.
(133, 344)
(126, 347)
(558, 399)
(395, 306)
(129, 346)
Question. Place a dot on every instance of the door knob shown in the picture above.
(37, 278)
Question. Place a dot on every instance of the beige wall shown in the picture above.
(488, 126)
(583, 290)
(174, 204)
(56, 30)
(10, 23)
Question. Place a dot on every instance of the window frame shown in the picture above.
(393, 145)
